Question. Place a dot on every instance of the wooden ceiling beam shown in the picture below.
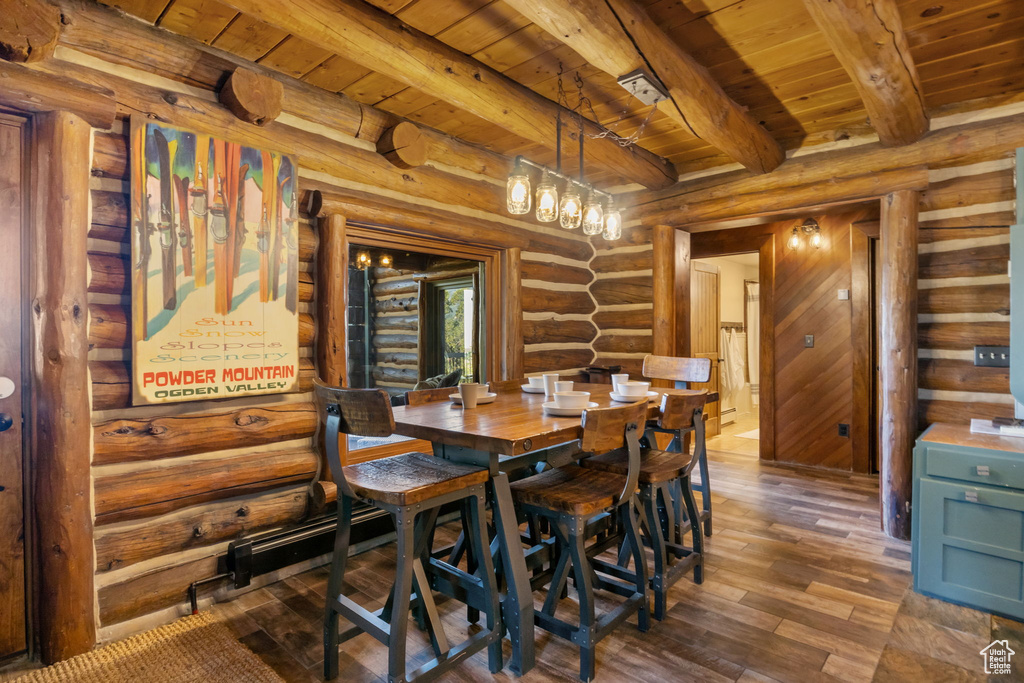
(618, 37)
(379, 41)
(867, 38)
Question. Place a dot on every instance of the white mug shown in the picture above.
(470, 394)
(536, 382)
(563, 386)
(617, 379)
(549, 383)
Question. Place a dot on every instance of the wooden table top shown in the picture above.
(514, 424)
(961, 435)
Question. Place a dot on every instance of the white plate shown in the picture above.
(533, 390)
(632, 399)
(486, 398)
(551, 409)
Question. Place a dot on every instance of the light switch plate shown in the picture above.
(844, 295)
(809, 341)
(992, 356)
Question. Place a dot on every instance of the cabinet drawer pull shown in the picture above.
(982, 470)
(971, 496)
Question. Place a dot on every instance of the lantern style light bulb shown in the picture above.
(385, 260)
(570, 211)
(816, 238)
(593, 216)
(518, 191)
(612, 222)
(547, 200)
(362, 260)
(794, 240)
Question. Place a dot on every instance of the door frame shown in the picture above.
(744, 242)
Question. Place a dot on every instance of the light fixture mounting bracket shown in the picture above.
(643, 86)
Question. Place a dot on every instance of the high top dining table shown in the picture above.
(506, 436)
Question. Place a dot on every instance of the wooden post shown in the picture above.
(663, 274)
(512, 363)
(682, 293)
(60, 412)
(898, 358)
(332, 321)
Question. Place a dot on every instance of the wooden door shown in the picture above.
(705, 327)
(12, 523)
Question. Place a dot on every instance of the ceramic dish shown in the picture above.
(632, 399)
(484, 398)
(551, 409)
(533, 390)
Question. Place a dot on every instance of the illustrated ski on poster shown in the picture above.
(214, 267)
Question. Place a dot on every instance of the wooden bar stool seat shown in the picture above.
(665, 490)
(412, 487)
(410, 478)
(572, 499)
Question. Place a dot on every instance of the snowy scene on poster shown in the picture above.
(215, 310)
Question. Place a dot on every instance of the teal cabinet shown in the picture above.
(968, 519)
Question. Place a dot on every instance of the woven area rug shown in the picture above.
(195, 648)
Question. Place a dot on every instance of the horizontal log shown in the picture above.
(395, 375)
(962, 335)
(396, 288)
(970, 299)
(555, 272)
(156, 589)
(991, 259)
(438, 223)
(397, 358)
(28, 90)
(394, 341)
(395, 304)
(555, 360)
(558, 331)
(933, 230)
(110, 155)
(552, 300)
(631, 237)
(619, 343)
(631, 366)
(961, 375)
(126, 440)
(124, 545)
(619, 263)
(111, 382)
(108, 274)
(109, 324)
(637, 289)
(396, 322)
(159, 489)
(983, 188)
(956, 412)
(639, 319)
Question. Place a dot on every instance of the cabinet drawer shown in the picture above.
(971, 551)
(981, 467)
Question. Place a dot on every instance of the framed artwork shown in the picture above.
(214, 241)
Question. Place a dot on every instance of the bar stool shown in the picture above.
(568, 498)
(664, 479)
(411, 487)
(684, 371)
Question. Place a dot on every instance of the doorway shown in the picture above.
(725, 317)
(13, 619)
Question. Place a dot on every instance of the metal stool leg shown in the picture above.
(632, 531)
(585, 591)
(476, 530)
(335, 583)
(399, 621)
(656, 536)
(705, 491)
(698, 537)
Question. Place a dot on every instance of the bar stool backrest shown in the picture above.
(606, 429)
(681, 413)
(680, 370)
(360, 412)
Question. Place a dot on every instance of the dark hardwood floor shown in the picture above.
(801, 585)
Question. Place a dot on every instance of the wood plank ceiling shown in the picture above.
(768, 55)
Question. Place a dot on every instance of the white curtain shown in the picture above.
(753, 339)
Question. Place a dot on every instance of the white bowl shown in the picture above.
(634, 388)
(536, 382)
(572, 399)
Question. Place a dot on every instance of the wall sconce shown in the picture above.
(362, 260)
(809, 227)
(385, 260)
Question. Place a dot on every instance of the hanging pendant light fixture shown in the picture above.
(518, 191)
(547, 199)
(593, 216)
(612, 222)
(570, 209)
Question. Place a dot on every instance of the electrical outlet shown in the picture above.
(992, 356)
(844, 429)
(809, 341)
